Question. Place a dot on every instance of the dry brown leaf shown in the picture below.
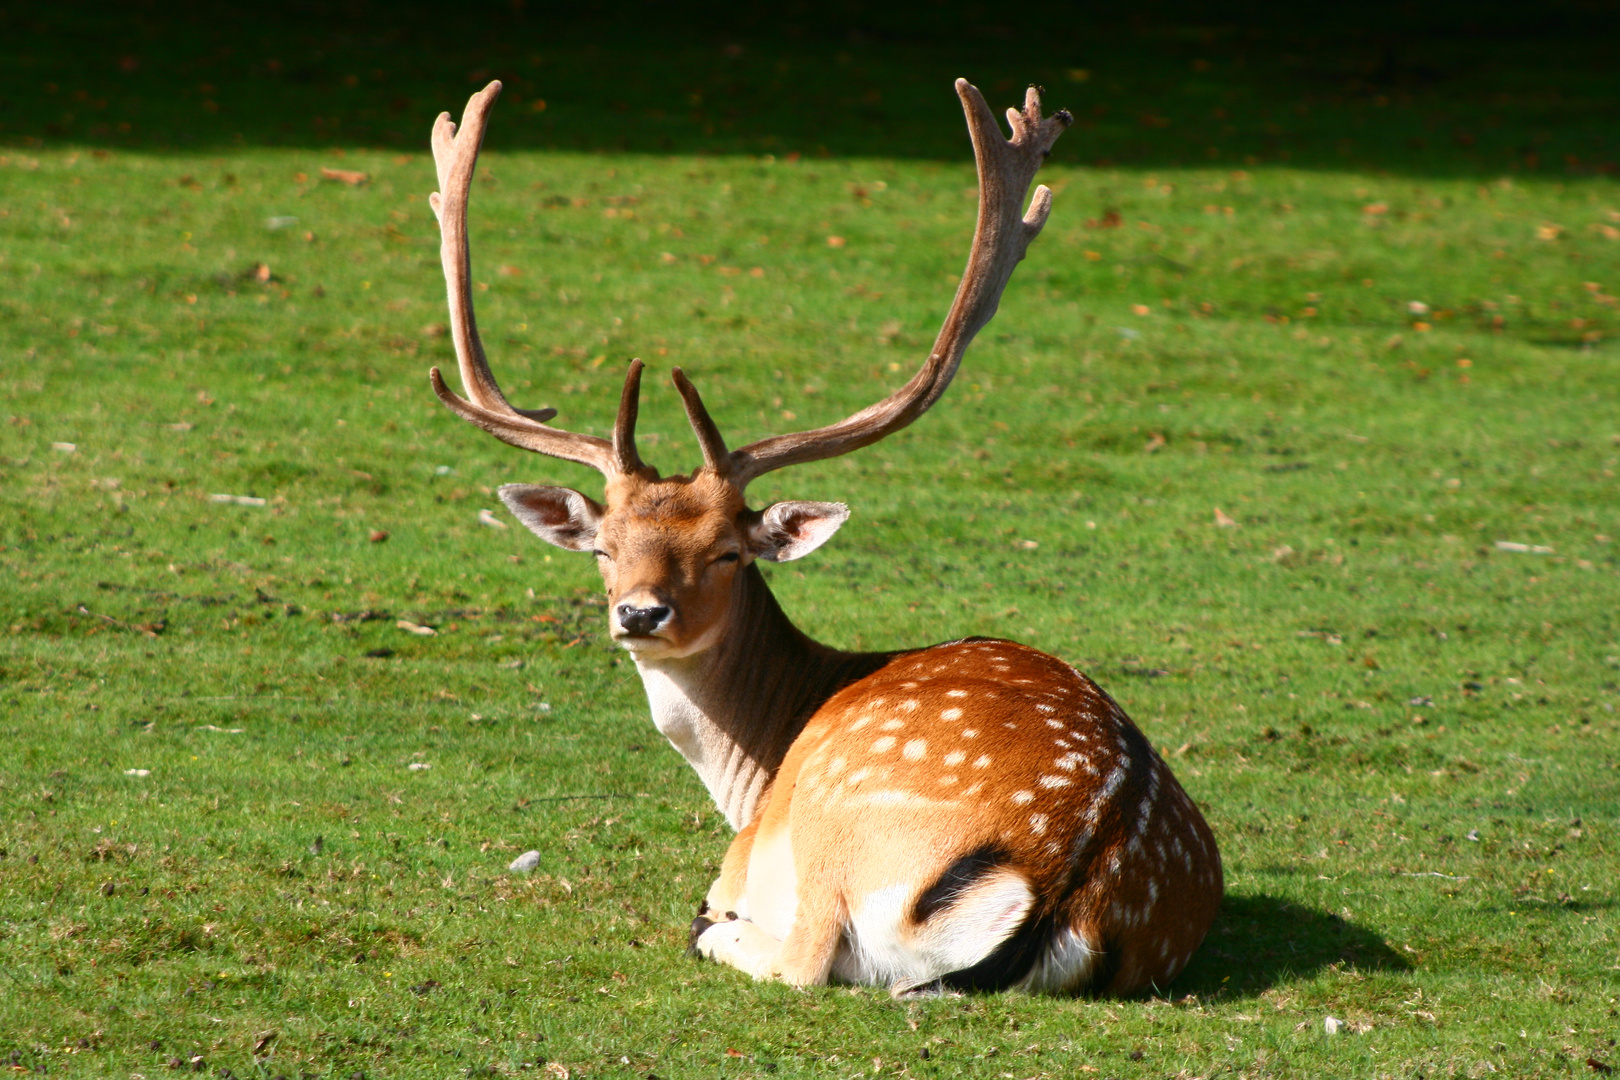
(348, 176)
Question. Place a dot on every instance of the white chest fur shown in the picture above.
(673, 695)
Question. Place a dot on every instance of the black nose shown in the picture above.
(641, 620)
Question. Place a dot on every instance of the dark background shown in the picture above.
(1440, 88)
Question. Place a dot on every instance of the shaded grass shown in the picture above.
(1404, 736)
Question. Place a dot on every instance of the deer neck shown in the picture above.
(734, 709)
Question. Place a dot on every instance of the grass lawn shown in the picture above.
(1313, 469)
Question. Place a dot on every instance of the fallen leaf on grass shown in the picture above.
(1524, 549)
(419, 766)
(137, 772)
(416, 628)
(221, 730)
(1222, 521)
(239, 500)
(487, 517)
(347, 176)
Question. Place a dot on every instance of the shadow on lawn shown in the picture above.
(1450, 87)
(1259, 940)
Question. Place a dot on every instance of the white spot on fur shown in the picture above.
(1037, 824)
(955, 757)
(982, 761)
(951, 714)
(1111, 785)
(947, 779)
(883, 745)
(910, 705)
(956, 693)
(970, 733)
(891, 725)
(1023, 797)
(858, 775)
(915, 750)
(1045, 708)
(1054, 781)
(862, 722)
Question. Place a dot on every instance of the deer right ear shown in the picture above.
(556, 515)
(792, 530)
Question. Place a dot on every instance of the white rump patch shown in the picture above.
(977, 922)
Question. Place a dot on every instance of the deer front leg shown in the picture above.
(804, 958)
(726, 896)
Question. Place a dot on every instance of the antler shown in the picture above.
(456, 155)
(1004, 233)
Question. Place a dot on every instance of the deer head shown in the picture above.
(672, 550)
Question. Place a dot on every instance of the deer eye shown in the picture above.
(730, 556)
(601, 554)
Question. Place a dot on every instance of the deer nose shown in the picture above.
(642, 620)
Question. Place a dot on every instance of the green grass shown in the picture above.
(1404, 736)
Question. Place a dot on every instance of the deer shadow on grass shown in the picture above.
(1259, 940)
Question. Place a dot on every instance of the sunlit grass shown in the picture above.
(1404, 735)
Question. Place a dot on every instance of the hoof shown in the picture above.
(699, 925)
(903, 991)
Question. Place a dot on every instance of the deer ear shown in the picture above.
(792, 530)
(556, 515)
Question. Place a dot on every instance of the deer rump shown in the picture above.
(974, 816)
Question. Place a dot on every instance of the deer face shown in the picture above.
(670, 550)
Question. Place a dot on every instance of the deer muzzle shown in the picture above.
(641, 619)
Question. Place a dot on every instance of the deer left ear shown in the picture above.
(556, 515)
(792, 530)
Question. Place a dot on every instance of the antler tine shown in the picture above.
(455, 154)
(713, 445)
(1003, 234)
(625, 457)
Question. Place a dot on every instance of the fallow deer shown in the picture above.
(972, 815)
